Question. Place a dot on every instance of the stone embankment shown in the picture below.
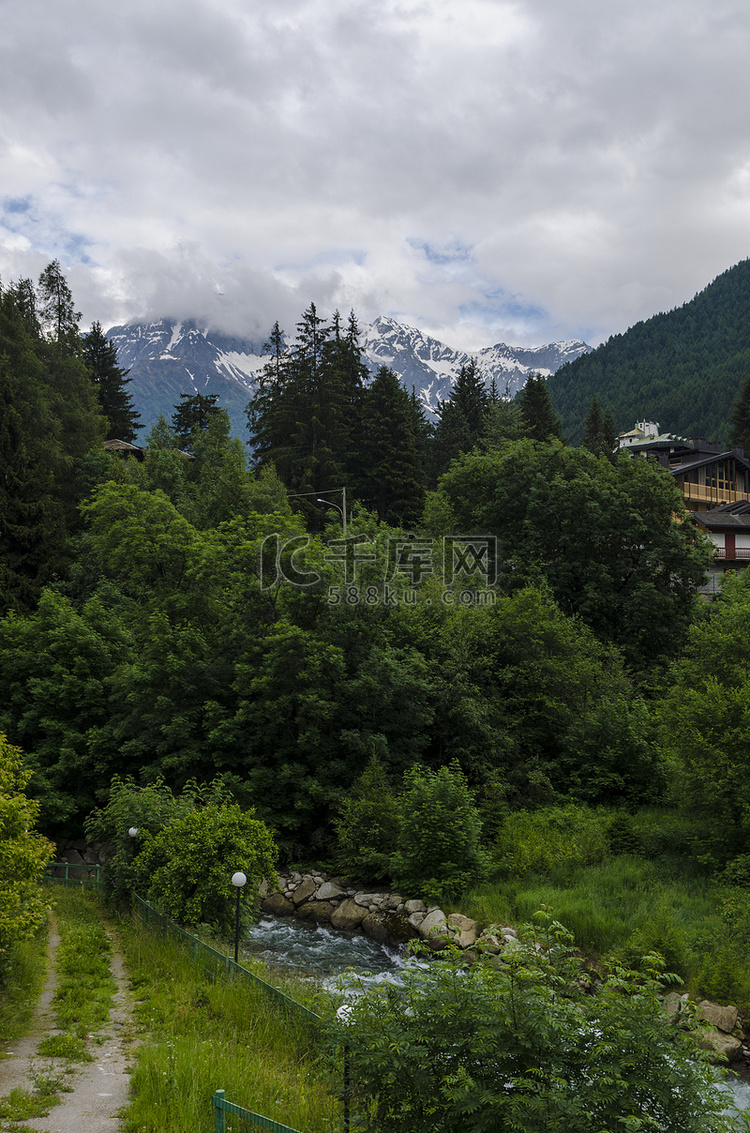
(387, 918)
(391, 919)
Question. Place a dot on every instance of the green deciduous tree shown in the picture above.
(145, 809)
(367, 827)
(187, 867)
(611, 540)
(23, 855)
(534, 1042)
(705, 714)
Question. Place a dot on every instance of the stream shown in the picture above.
(325, 955)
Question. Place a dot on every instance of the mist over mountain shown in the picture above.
(682, 369)
(171, 357)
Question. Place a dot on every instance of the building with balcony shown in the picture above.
(708, 476)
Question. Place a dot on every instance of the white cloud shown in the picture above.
(590, 161)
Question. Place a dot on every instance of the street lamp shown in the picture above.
(133, 831)
(238, 880)
(319, 500)
(341, 510)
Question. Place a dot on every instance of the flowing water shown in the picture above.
(329, 957)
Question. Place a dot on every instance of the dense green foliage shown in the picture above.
(536, 1043)
(181, 850)
(187, 867)
(705, 714)
(23, 856)
(682, 369)
(609, 539)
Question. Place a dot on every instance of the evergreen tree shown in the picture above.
(56, 309)
(599, 430)
(610, 434)
(461, 419)
(540, 422)
(392, 481)
(100, 355)
(305, 416)
(48, 422)
(739, 430)
(503, 423)
(193, 414)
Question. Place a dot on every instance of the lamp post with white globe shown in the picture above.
(238, 880)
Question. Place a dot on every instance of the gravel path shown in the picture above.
(99, 1089)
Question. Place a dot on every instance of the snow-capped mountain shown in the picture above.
(431, 367)
(168, 358)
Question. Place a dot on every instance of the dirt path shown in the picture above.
(99, 1089)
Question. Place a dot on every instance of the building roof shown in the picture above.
(733, 516)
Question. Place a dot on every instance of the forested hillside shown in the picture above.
(683, 368)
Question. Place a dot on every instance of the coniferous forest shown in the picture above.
(358, 602)
(681, 368)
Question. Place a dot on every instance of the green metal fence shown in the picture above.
(222, 1107)
(218, 962)
(68, 873)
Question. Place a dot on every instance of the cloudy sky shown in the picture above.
(486, 170)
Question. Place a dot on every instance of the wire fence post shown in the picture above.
(221, 1123)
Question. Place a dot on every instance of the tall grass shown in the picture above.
(202, 1033)
(622, 906)
(83, 996)
(23, 978)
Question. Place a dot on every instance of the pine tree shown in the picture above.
(392, 481)
(193, 414)
(593, 433)
(56, 309)
(461, 419)
(100, 356)
(540, 422)
(305, 416)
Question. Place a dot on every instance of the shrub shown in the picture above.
(439, 852)
(187, 867)
(532, 1044)
(23, 855)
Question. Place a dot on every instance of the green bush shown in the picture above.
(187, 867)
(532, 1044)
(552, 837)
(439, 852)
(23, 856)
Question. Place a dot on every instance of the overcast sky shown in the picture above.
(487, 171)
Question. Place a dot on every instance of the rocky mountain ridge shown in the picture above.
(170, 357)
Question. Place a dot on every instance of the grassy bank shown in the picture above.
(660, 896)
(202, 1033)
